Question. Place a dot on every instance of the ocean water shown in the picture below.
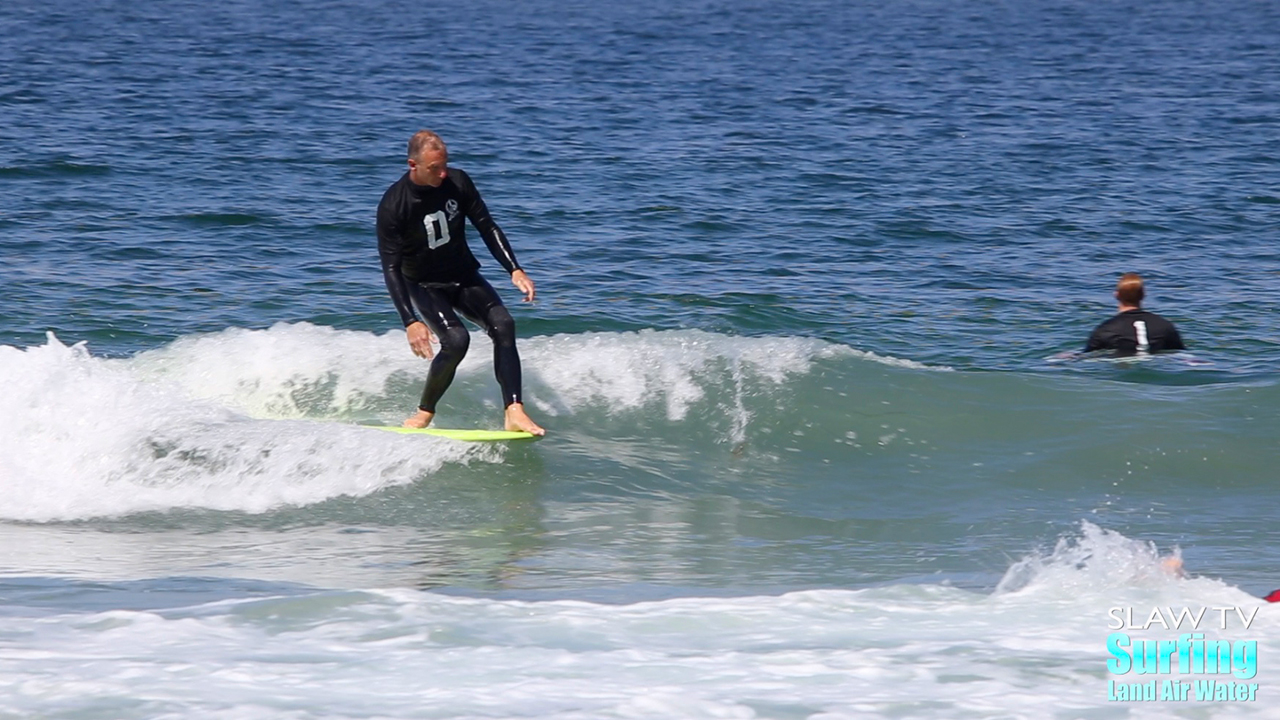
(805, 271)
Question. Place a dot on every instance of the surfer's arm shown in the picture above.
(478, 213)
(390, 251)
(494, 238)
(397, 286)
(418, 333)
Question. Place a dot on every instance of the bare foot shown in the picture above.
(419, 420)
(516, 419)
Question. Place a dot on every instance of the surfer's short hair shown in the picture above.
(425, 140)
(1129, 290)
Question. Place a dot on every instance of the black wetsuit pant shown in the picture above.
(477, 301)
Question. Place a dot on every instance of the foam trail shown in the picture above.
(914, 650)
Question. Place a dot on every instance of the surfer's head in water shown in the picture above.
(1134, 331)
(1129, 292)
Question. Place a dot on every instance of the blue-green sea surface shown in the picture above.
(808, 274)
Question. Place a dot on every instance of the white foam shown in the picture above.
(90, 437)
(303, 370)
(907, 650)
(919, 652)
(287, 371)
(627, 370)
(1097, 560)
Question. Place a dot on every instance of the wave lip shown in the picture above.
(252, 420)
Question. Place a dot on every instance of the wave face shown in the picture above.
(762, 462)
(192, 424)
(254, 420)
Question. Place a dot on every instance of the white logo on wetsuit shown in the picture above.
(1140, 329)
(437, 227)
(451, 208)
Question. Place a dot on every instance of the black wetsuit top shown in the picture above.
(422, 236)
(1135, 331)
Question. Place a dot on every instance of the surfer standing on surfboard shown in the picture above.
(1134, 331)
(428, 266)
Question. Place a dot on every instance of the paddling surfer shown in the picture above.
(429, 268)
(1134, 331)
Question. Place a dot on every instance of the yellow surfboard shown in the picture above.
(467, 435)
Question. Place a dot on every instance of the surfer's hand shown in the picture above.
(420, 340)
(524, 283)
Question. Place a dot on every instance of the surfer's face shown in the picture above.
(429, 167)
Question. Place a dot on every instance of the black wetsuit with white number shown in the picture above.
(1133, 332)
(427, 265)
